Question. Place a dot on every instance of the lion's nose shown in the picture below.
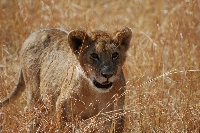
(106, 75)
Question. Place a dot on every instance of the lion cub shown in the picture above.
(75, 74)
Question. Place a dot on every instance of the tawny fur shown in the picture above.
(58, 70)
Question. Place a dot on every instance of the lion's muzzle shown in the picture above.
(104, 85)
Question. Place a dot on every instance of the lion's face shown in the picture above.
(101, 55)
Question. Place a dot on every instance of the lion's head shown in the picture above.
(101, 55)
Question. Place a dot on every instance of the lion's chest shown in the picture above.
(85, 107)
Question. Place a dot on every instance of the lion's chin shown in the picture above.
(105, 85)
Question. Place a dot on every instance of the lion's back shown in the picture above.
(47, 55)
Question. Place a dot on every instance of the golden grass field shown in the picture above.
(163, 63)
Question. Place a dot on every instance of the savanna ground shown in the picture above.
(162, 67)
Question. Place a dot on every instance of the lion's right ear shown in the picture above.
(76, 39)
(123, 37)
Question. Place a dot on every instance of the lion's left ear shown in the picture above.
(123, 37)
(76, 39)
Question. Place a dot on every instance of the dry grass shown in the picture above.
(162, 67)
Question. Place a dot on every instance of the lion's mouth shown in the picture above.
(104, 85)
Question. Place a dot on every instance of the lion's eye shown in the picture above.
(115, 56)
(95, 56)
